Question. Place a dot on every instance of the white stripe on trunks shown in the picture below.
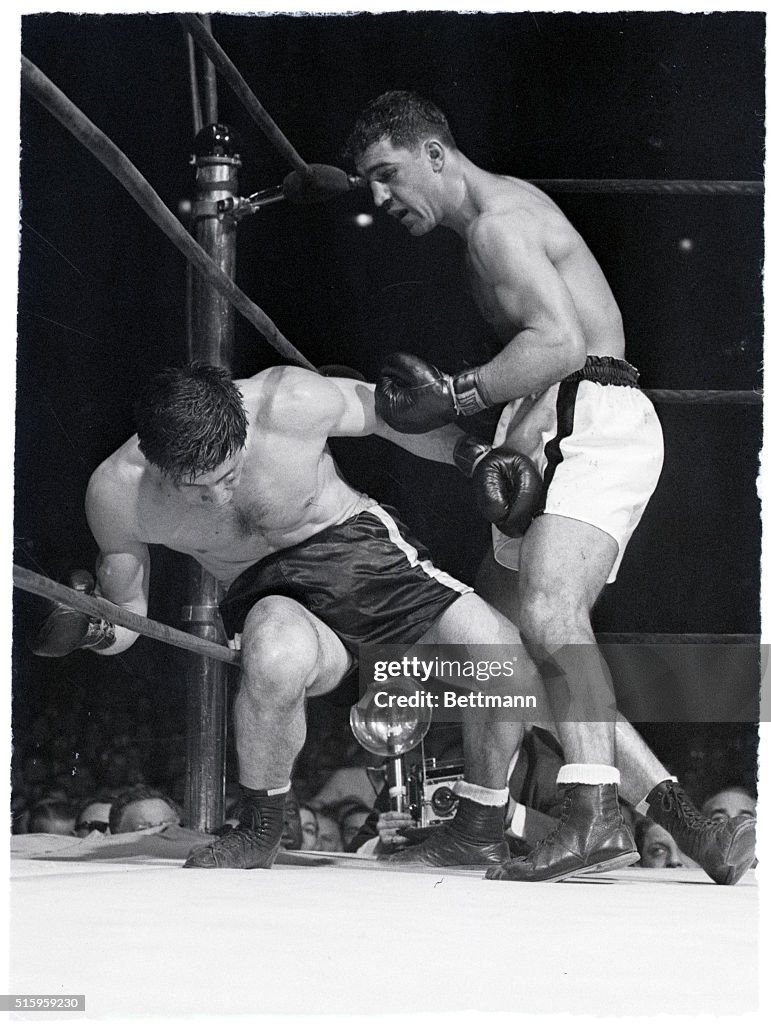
(411, 554)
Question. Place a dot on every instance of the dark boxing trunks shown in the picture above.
(368, 579)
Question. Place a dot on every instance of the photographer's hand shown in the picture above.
(388, 826)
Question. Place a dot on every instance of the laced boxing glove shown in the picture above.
(413, 396)
(65, 630)
(507, 486)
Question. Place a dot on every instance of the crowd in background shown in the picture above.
(113, 761)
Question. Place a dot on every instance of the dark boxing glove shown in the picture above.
(413, 396)
(507, 486)
(65, 630)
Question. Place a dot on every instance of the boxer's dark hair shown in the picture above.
(402, 117)
(189, 420)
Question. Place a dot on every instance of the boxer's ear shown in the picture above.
(435, 152)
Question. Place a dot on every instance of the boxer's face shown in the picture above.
(404, 183)
(217, 487)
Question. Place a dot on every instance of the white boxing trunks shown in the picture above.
(596, 439)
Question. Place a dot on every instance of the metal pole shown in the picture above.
(210, 338)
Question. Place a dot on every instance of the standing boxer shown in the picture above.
(573, 406)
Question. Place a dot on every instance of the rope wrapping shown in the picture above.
(235, 80)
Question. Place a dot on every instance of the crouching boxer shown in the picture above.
(238, 475)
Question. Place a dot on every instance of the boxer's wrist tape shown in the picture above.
(468, 453)
(467, 394)
(100, 635)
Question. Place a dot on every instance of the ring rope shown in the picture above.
(677, 638)
(210, 82)
(235, 80)
(38, 85)
(649, 186)
(117, 163)
(195, 96)
(34, 583)
(667, 396)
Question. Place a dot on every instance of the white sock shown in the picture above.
(588, 774)
(517, 823)
(481, 794)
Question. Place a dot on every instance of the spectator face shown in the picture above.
(144, 814)
(329, 834)
(351, 824)
(730, 803)
(291, 837)
(659, 850)
(52, 821)
(93, 817)
(310, 828)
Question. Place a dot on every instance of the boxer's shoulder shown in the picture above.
(116, 484)
(289, 400)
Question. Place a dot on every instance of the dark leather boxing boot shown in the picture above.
(253, 844)
(724, 849)
(591, 836)
(474, 838)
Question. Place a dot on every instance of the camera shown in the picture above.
(430, 791)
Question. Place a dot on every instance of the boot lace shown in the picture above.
(553, 836)
(675, 801)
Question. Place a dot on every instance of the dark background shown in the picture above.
(101, 290)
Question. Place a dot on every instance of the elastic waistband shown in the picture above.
(606, 370)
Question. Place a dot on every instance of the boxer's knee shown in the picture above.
(548, 617)
(279, 648)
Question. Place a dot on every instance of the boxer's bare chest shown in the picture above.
(486, 302)
(276, 504)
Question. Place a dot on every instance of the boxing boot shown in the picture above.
(253, 844)
(474, 838)
(591, 835)
(724, 849)
(518, 847)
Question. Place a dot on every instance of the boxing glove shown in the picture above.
(413, 396)
(64, 630)
(508, 489)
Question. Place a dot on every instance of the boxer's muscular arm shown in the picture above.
(359, 419)
(341, 407)
(548, 342)
(508, 485)
(123, 564)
